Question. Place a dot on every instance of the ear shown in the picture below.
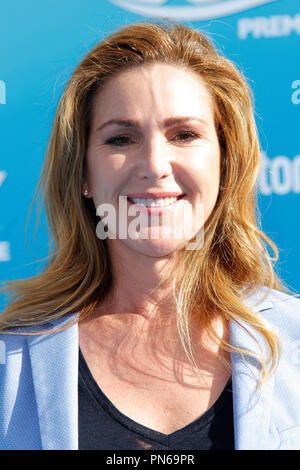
(86, 193)
(84, 184)
(85, 190)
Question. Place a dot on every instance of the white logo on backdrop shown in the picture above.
(296, 94)
(2, 352)
(3, 176)
(4, 246)
(2, 92)
(279, 175)
(199, 10)
(268, 26)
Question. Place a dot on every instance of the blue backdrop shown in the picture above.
(42, 42)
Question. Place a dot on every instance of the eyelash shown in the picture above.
(113, 140)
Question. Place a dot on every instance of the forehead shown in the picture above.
(165, 87)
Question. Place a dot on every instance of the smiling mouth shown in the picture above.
(156, 202)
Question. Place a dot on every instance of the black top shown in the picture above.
(103, 426)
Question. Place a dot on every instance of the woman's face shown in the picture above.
(153, 158)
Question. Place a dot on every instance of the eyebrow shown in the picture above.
(167, 122)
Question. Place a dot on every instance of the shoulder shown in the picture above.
(279, 309)
(17, 337)
(264, 298)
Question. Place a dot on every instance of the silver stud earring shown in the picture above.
(85, 192)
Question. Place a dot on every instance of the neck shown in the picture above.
(143, 312)
(142, 285)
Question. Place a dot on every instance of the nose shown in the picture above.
(155, 160)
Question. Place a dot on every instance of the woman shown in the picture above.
(184, 338)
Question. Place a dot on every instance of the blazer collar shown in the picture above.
(55, 383)
(251, 407)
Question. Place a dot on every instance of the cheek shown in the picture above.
(109, 165)
(204, 173)
(212, 174)
(106, 177)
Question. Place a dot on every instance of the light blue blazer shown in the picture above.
(39, 374)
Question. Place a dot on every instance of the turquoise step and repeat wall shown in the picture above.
(42, 41)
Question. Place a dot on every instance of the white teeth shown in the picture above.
(164, 201)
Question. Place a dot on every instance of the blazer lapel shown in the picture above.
(251, 407)
(55, 383)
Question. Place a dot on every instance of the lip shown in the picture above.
(158, 209)
(155, 195)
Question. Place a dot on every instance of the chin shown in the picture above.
(156, 248)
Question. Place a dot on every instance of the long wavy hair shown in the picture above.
(234, 258)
